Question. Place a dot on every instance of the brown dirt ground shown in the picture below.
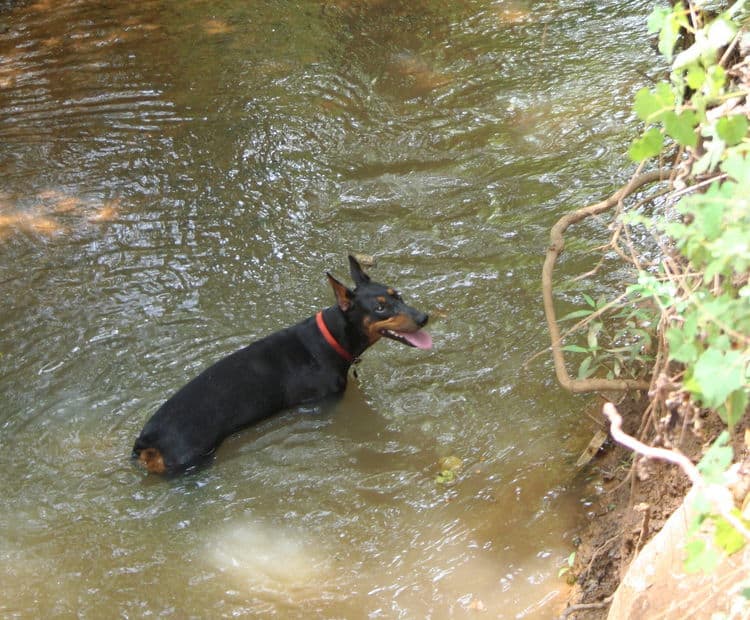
(630, 504)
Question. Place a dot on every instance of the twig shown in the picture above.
(694, 188)
(598, 551)
(730, 49)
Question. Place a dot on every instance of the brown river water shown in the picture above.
(175, 180)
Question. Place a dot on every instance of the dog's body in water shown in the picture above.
(300, 364)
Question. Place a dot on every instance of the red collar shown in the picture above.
(331, 340)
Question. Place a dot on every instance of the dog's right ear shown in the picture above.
(343, 295)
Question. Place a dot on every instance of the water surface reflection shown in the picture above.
(176, 178)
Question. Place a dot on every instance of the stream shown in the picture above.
(175, 180)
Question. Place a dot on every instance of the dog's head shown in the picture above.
(379, 310)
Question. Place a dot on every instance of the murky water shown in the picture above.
(176, 178)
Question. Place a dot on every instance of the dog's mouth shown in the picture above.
(419, 339)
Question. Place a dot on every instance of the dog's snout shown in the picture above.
(422, 319)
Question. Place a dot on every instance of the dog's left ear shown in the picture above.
(359, 276)
(343, 295)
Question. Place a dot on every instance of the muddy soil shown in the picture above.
(630, 502)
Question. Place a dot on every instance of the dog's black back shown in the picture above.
(297, 365)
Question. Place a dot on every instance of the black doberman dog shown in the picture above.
(296, 365)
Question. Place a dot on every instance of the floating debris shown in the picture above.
(216, 26)
(449, 467)
(592, 449)
(366, 260)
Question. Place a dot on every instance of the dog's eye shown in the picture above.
(380, 308)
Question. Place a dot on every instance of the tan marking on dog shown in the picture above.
(398, 323)
(152, 460)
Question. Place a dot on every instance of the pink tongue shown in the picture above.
(420, 339)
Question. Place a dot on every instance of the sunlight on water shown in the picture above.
(176, 179)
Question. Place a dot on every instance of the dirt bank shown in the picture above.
(630, 503)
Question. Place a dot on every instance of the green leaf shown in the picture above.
(645, 104)
(574, 348)
(670, 30)
(592, 337)
(727, 537)
(702, 507)
(714, 267)
(648, 145)
(576, 314)
(717, 460)
(585, 370)
(657, 19)
(715, 150)
(708, 212)
(695, 76)
(700, 556)
(682, 346)
(589, 300)
(445, 477)
(681, 127)
(738, 168)
(650, 106)
(734, 408)
(716, 78)
(716, 375)
(732, 129)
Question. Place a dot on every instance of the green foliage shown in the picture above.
(696, 117)
(647, 146)
(707, 306)
(701, 556)
(668, 24)
(718, 458)
(695, 70)
(446, 476)
(702, 306)
(616, 347)
(724, 537)
(711, 313)
(568, 565)
(709, 309)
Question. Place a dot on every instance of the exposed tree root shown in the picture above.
(557, 243)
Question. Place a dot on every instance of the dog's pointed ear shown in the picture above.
(343, 295)
(359, 276)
